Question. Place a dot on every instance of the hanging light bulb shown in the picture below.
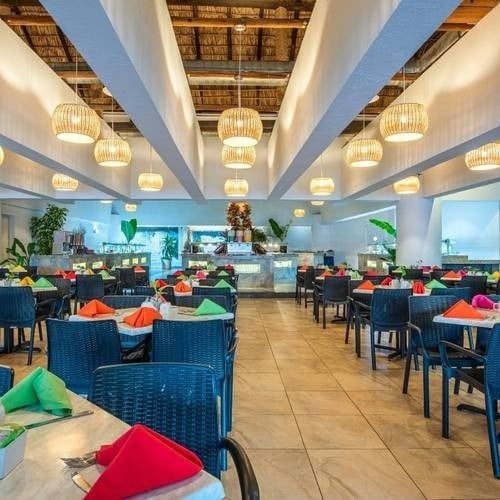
(2, 155)
(321, 186)
(486, 157)
(239, 127)
(410, 185)
(236, 188)
(74, 122)
(61, 182)
(364, 152)
(130, 207)
(299, 212)
(149, 181)
(317, 203)
(404, 122)
(239, 158)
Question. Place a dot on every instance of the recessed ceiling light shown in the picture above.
(106, 91)
(240, 27)
(375, 98)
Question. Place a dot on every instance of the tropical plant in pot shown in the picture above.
(19, 254)
(280, 232)
(42, 228)
(169, 250)
(391, 231)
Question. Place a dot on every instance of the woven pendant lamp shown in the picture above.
(486, 157)
(410, 185)
(364, 152)
(236, 188)
(238, 158)
(317, 203)
(321, 186)
(112, 152)
(61, 182)
(150, 181)
(299, 212)
(130, 207)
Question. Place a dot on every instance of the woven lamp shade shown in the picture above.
(239, 127)
(321, 186)
(61, 182)
(299, 212)
(236, 188)
(364, 153)
(404, 122)
(130, 207)
(149, 181)
(2, 155)
(76, 123)
(317, 203)
(410, 185)
(239, 158)
(486, 157)
(113, 152)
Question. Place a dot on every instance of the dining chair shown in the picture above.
(179, 401)
(299, 282)
(126, 280)
(88, 287)
(195, 300)
(307, 286)
(477, 284)
(414, 274)
(232, 298)
(17, 310)
(375, 279)
(353, 284)
(335, 293)
(425, 336)
(144, 290)
(124, 301)
(62, 305)
(142, 279)
(201, 342)
(6, 379)
(483, 376)
(76, 348)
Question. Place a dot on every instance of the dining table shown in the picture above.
(385, 287)
(42, 475)
(490, 317)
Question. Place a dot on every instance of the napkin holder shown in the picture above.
(12, 454)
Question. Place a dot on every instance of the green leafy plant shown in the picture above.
(19, 254)
(258, 235)
(391, 231)
(42, 228)
(129, 229)
(169, 247)
(279, 231)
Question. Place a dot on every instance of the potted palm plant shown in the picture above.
(169, 250)
(281, 233)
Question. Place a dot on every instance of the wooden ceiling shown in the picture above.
(211, 48)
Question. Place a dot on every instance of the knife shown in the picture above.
(52, 420)
(81, 482)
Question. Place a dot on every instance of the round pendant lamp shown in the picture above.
(364, 152)
(113, 152)
(130, 207)
(404, 122)
(236, 188)
(150, 181)
(61, 182)
(299, 212)
(2, 155)
(486, 157)
(410, 185)
(238, 158)
(73, 122)
(321, 186)
(317, 203)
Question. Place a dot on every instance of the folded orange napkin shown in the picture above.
(418, 287)
(141, 460)
(182, 287)
(95, 307)
(159, 283)
(142, 317)
(326, 273)
(386, 281)
(59, 272)
(366, 285)
(451, 274)
(138, 269)
(371, 273)
(462, 310)
(71, 275)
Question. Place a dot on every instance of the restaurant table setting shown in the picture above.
(462, 313)
(40, 285)
(367, 287)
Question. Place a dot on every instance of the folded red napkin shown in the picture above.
(182, 287)
(160, 283)
(340, 272)
(462, 273)
(366, 285)
(178, 272)
(418, 287)
(451, 274)
(462, 310)
(434, 268)
(141, 460)
(104, 267)
(138, 269)
(94, 307)
(371, 273)
(326, 273)
(426, 269)
(386, 281)
(201, 275)
(59, 272)
(228, 267)
(142, 317)
(70, 275)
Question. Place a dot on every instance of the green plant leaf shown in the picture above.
(279, 231)
(385, 226)
(129, 229)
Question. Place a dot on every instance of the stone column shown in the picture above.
(418, 223)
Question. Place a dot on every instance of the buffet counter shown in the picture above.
(270, 273)
(47, 264)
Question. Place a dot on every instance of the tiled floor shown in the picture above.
(318, 423)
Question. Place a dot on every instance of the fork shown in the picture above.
(81, 462)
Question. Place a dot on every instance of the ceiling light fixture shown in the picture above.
(404, 122)
(299, 212)
(239, 158)
(239, 127)
(317, 203)
(112, 152)
(130, 207)
(364, 152)
(410, 185)
(149, 181)
(236, 188)
(106, 202)
(74, 122)
(61, 182)
(486, 157)
(321, 186)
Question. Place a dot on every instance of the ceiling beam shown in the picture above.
(179, 22)
(338, 70)
(142, 68)
(304, 5)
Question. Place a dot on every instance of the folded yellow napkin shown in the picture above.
(18, 269)
(26, 281)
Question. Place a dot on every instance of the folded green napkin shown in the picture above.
(208, 307)
(40, 388)
(211, 267)
(42, 283)
(222, 273)
(105, 274)
(223, 284)
(356, 276)
(434, 284)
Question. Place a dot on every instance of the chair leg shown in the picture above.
(425, 374)
(348, 323)
(357, 336)
(445, 405)
(456, 387)
(324, 314)
(40, 334)
(372, 348)
(32, 341)
(492, 434)
(406, 378)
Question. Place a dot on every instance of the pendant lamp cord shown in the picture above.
(112, 116)
(239, 73)
(150, 160)
(404, 84)
(76, 77)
